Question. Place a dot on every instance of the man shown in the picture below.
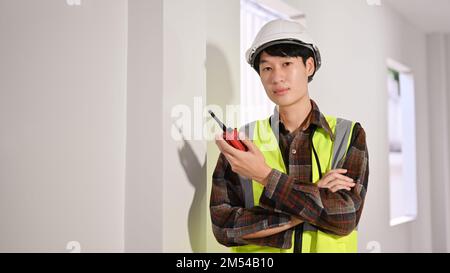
(300, 187)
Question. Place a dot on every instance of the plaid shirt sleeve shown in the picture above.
(336, 213)
(231, 220)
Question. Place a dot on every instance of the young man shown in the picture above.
(300, 187)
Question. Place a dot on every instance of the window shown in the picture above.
(254, 102)
(402, 144)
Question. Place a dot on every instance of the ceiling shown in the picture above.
(429, 16)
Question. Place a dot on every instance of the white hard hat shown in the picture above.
(282, 31)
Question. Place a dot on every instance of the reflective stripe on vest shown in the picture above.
(331, 156)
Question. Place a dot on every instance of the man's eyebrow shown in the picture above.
(263, 61)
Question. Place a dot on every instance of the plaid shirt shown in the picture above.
(291, 194)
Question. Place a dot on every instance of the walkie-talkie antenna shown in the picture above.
(218, 121)
(229, 135)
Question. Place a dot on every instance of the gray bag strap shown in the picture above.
(247, 188)
(342, 134)
(275, 124)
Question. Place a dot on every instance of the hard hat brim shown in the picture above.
(253, 53)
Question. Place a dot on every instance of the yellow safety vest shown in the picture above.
(329, 154)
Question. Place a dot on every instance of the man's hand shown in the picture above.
(269, 232)
(250, 164)
(295, 221)
(335, 181)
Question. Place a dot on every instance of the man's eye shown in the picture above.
(266, 69)
(287, 63)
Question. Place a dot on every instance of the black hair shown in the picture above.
(287, 50)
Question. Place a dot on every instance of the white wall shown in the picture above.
(438, 46)
(447, 77)
(184, 161)
(62, 120)
(166, 173)
(86, 147)
(355, 40)
(222, 78)
(69, 129)
(144, 184)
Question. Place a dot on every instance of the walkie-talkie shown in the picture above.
(231, 136)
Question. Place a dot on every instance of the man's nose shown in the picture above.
(277, 76)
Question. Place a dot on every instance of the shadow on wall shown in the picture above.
(218, 78)
(196, 173)
(219, 86)
(219, 90)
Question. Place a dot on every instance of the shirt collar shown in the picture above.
(318, 119)
(315, 117)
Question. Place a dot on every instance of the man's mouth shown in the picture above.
(281, 91)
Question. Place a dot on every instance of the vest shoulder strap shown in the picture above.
(246, 183)
(342, 133)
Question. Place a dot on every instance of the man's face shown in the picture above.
(285, 79)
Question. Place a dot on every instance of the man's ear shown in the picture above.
(310, 66)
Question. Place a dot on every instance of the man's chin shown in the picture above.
(287, 104)
(283, 102)
(286, 101)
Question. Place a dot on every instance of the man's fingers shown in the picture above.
(339, 182)
(338, 171)
(335, 171)
(333, 176)
(339, 187)
(248, 143)
(329, 178)
(342, 177)
(329, 175)
(224, 147)
(336, 179)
